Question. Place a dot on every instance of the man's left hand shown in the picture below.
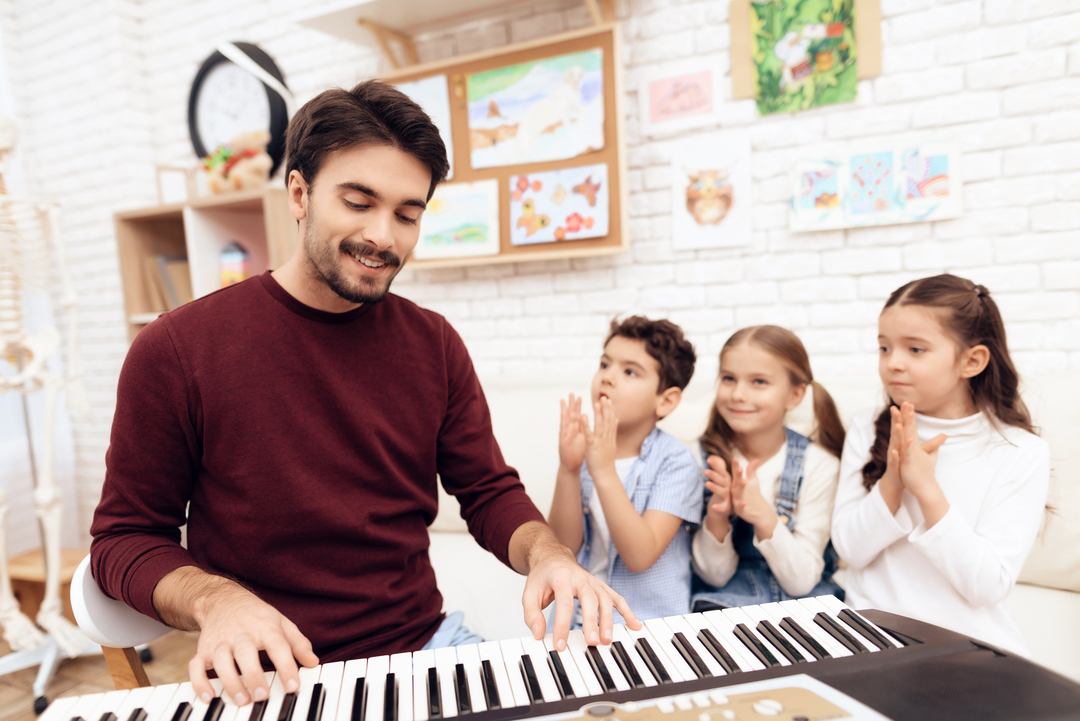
(555, 575)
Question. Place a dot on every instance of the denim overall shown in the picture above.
(753, 582)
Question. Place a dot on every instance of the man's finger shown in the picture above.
(299, 643)
(622, 607)
(564, 613)
(590, 611)
(200, 683)
(225, 666)
(280, 654)
(534, 614)
(606, 619)
(251, 672)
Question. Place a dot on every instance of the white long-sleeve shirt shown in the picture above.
(957, 574)
(796, 558)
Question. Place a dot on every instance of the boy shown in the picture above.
(628, 495)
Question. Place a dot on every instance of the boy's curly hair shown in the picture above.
(665, 342)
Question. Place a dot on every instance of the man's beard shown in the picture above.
(327, 263)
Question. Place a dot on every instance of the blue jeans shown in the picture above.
(453, 632)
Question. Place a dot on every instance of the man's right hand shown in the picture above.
(234, 625)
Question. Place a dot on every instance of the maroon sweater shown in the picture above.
(307, 444)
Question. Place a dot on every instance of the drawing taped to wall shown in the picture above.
(710, 191)
(433, 96)
(559, 205)
(461, 221)
(854, 187)
(680, 96)
(550, 109)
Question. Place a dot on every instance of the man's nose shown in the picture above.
(378, 232)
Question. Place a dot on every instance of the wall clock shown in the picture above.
(238, 89)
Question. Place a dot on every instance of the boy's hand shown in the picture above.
(718, 482)
(600, 442)
(571, 434)
(748, 502)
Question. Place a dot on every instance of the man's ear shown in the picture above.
(668, 401)
(797, 394)
(298, 195)
(973, 361)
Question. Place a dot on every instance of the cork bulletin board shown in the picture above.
(537, 128)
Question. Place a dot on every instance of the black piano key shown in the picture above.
(108, 716)
(138, 714)
(836, 631)
(629, 672)
(258, 710)
(559, 672)
(390, 698)
(600, 669)
(182, 713)
(804, 637)
(77, 718)
(434, 699)
(491, 690)
(648, 655)
(532, 685)
(756, 647)
(461, 686)
(693, 660)
(288, 705)
(860, 624)
(780, 642)
(712, 645)
(318, 699)
(213, 711)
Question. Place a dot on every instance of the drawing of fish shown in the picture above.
(530, 220)
(588, 189)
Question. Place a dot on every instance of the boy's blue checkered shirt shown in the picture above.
(665, 477)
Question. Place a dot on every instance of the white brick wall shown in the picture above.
(101, 90)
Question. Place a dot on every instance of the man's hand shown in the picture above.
(234, 626)
(554, 575)
(718, 482)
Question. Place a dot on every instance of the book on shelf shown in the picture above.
(168, 282)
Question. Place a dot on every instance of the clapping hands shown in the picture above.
(739, 493)
(912, 462)
(580, 444)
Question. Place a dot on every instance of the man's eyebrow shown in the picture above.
(371, 192)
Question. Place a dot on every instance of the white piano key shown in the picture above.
(577, 683)
(678, 624)
(664, 638)
(354, 669)
(308, 678)
(137, 698)
(185, 693)
(469, 657)
(401, 667)
(421, 662)
(375, 682)
(579, 649)
(737, 616)
(725, 633)
(537, 653)
(110, 703)
(445, 661)
(490, 651)
(675, 672)
(512, 652)
(85, 707)
(815, 607)
(330, 677)
(59, 709)
(621, 634)
(198, 708)
(798, 613)
(621, 684)
(835, 605)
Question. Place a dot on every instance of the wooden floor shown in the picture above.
(88, 674)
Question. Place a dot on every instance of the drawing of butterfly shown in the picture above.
(588, 189)
(529, 220)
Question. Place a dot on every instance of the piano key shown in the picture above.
(461, 690)
(757, 645)
(844, 613)
(511, 652)
(491, 689)
(401, 666)
(649, 648)
(679, 625)
(330, 677)
(434, 693)
(799, 613)
(591, 674)
(59, 710)
(537, 653)
(570, 666)
(608, 657)
(135, 701)
(375, 686)
(390, 698)
(179, 708)
(225, 709)
(511, 688)
(824, 618)
(258, 708)
(422, 663)
(308, 678)
(768, 629)
(672, 658)
(724, 630)
(629, 661)
(275, 699)
(469, 657)
(811, 647)
(532, 683)
(108, 716)
(445, 661)
(84, 709)
(200, 708)
(350, 707)
(717, 650)
(558, 670)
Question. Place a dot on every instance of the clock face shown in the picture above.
(230, 101)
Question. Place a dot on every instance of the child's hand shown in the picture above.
(600, 442)
(571, 435)
(718, 482)
(917, 460)
(748, 502)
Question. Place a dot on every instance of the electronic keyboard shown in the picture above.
(899, 667)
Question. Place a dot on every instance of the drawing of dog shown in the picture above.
(709, 196)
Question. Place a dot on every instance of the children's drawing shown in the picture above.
(679, 96)
(710, 191)
(853, 187)
(550, 109)
(542, 210)
(433, 97)
(461, 220)
(803, 53)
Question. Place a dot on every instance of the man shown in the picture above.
(304, 416)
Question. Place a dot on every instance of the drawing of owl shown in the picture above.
(709, 196)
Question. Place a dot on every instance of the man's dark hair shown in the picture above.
(665, 342)
(371, 113)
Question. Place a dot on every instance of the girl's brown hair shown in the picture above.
(971, 317)
(719, 439)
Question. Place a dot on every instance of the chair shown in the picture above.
(119, 628)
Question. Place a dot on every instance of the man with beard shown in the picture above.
(297, 423)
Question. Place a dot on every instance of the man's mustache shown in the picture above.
(363, 249)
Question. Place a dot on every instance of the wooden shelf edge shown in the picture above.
(481, 260)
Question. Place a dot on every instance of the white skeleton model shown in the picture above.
(27, 229)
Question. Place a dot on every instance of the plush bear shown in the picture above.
(242, 164)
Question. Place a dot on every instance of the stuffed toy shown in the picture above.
(242, 164)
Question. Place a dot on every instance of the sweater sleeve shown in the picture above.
(149, 473)
(983, 562)
(862, 525)
(471, 466)
(797, 557)
(714, 560)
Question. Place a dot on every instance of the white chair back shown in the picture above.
(106, 621)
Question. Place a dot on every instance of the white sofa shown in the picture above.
(1045, 604)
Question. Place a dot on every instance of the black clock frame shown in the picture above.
(279, 117)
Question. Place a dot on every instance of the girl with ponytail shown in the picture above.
(765, 537)
(941, 493)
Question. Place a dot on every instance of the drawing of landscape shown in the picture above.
(461, 220)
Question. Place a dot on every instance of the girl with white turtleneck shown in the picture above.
(941, 494)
